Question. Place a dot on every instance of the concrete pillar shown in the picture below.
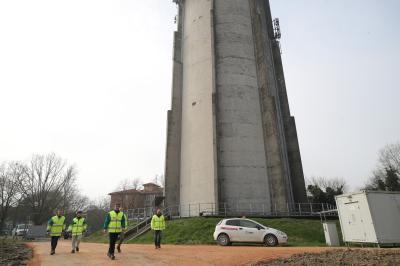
(198, 168)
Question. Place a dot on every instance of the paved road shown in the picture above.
(95, 254)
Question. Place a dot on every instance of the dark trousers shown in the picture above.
(157, 238)
(54, 241)
(113, 240)
(121, 239)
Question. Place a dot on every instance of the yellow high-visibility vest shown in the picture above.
(77, 227)
(158, 223)
(115, 225)
(57, 227)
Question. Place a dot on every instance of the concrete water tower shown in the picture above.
(231, 138)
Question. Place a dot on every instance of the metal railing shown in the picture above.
(143, 226)
(235, 209)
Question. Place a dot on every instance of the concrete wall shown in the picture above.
(241, 155)
(198, 180)
(173, 148)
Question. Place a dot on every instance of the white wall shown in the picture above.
(198, 160)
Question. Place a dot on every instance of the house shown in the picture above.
(150, 196)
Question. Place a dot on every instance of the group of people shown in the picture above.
(115, 224)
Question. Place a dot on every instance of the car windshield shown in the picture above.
(21, 226)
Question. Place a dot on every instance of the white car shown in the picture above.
(236, 230)
(22, 229)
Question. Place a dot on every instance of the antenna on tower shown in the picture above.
(277, 29)
(277, 32)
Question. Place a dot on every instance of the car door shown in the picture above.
(250, 231)
(232, 228)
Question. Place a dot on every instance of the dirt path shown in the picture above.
(95, 254)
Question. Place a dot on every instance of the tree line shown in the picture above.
(385, 177)
(31, 191)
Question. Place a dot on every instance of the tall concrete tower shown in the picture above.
(231, 138)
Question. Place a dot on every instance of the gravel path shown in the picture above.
(343, 257)
(95, 254)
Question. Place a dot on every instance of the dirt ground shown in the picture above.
(13, 253)
(343, 257)
(95, 254)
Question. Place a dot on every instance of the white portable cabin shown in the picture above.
(370, 217)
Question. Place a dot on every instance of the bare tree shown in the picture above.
(47, 184)
(389, 157)
(10, 173)
(335, 183)
(126, 184)
(386, 175)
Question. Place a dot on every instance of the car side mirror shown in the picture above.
(259, 227)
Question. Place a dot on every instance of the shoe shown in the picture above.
(119, 249)
(52, 252)
(112, 257)
(73, 251)
(77, 249)
(109, 254)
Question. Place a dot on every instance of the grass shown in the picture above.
(96, 237)
(301, 232)
(193, 231)
(100, 237)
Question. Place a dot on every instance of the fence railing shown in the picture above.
(235, 209)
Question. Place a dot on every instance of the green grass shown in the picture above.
(301, 232)
(100, 237)
(96, 237)
(196, 231)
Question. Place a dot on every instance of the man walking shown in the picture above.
(55, 227)
(122, 235)
(114, 224)
(77, 228)
(158, 225)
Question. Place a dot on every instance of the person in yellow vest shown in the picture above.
(122, 235)
(115, 224)
(77, 228)
(55, 226)
(157, 225)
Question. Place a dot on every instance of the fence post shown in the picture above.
(189, 209)
(199, 208)
(264, 209)
(300, 208)
(276, 214)
(288, 211)
(311, 208)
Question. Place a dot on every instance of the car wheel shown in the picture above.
(223, 240)
(270, 240)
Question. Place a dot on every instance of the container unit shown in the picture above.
(331, 234)
(370, 217)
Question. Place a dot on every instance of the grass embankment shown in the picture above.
(301, 232)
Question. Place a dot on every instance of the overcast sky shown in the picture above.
(91, 81)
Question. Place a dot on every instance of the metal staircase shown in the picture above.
(142, 227)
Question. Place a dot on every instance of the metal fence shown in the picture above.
(234, 209)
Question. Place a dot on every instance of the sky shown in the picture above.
(91, 81)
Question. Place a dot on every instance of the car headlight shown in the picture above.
(282, 233)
